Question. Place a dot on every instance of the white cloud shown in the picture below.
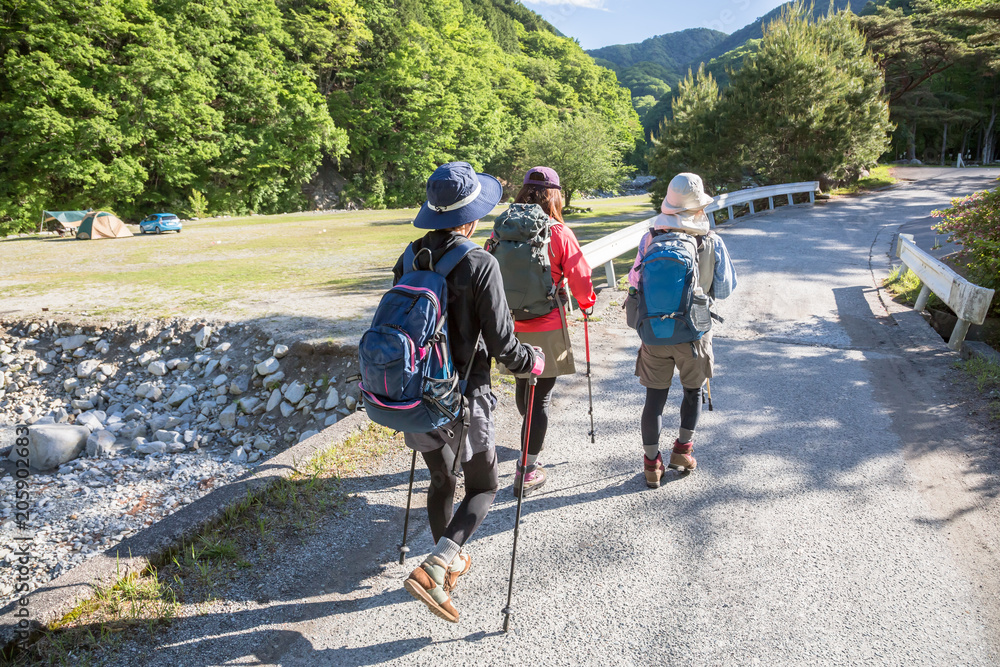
(585, 4)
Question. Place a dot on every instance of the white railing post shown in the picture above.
(921, 303)
(791, 202)
(609, 269)
(770, 202)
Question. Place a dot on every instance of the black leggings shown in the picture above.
(652, 411)
(481, 482)
(539, 410)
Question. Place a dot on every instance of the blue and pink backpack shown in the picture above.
(408, 380)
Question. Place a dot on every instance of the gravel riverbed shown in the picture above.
(130, 422)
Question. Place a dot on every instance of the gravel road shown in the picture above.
(843, 511)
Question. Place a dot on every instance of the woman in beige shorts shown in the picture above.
(683, 210)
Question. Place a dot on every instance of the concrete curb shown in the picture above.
(54, 600)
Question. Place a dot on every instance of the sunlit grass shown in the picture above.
(879, 177)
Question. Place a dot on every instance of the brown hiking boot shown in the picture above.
(653, 468)
(426, 584)
(459, 567)
(530, 482)
(680, 457)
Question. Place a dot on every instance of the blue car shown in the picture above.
(159, 223)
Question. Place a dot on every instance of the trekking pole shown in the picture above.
(517, 518)
(403, 549)
(590, 390)
(708, 392)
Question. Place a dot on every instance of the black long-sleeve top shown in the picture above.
(476, 304)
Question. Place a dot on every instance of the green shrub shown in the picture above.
(974, 222)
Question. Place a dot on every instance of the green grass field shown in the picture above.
(229, 265)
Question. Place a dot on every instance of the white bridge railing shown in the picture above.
(970, 302)
(604, 250)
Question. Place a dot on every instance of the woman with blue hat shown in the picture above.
(479, 327)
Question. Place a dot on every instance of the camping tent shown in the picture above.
(63, 221)
(102, 225)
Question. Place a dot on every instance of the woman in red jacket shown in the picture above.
(549, 332)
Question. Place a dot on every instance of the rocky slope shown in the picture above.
(130, 422)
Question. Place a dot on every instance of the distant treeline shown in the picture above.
(231, 106)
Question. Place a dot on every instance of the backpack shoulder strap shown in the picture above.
(408, 257)
(446, 264)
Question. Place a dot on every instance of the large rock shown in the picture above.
(248, 403)
(71, 343)
(280, 350)
(51, 445)
(70, 384)
(166, 436)
(203, 337)
(295, 392)
(332, 399)
(101, 444)
(274, 380)
(268, 366)
(145, 447)
(274, 400)
(87, 368)
(147, 358)
(239, 385)
(287, 409)
(149, 390)
(181, 394)
(93, 420)
(227, 419)
(210, 367)
(157, 368)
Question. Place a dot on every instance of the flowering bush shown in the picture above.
(974, 222)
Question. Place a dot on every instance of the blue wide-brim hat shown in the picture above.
(457, 195)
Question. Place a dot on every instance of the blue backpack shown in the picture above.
(671, 307)
(408, 380)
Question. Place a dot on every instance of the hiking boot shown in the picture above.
(426, 583)
(654, 470)
(680, 457)
(458, 567)
(530, 482)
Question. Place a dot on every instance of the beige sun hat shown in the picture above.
(686, 192)
(683, 207)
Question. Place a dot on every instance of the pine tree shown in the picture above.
(693, 139)
(809, 103)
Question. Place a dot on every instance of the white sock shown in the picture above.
(651, 451)
(446, 550)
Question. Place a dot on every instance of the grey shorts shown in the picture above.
(655, 365)
(479, 439)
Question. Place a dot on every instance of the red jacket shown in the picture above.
(567, 261)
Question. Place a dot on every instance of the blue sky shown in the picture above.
(599, 23)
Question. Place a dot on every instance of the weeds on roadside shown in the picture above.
(137, 601)
(985, 374)
(906, 288)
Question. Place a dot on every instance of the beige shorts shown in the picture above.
(655, 365)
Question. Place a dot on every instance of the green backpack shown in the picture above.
(520, 243)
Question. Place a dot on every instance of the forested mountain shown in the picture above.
(673, 51)
(652, 68)
(140, 105)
